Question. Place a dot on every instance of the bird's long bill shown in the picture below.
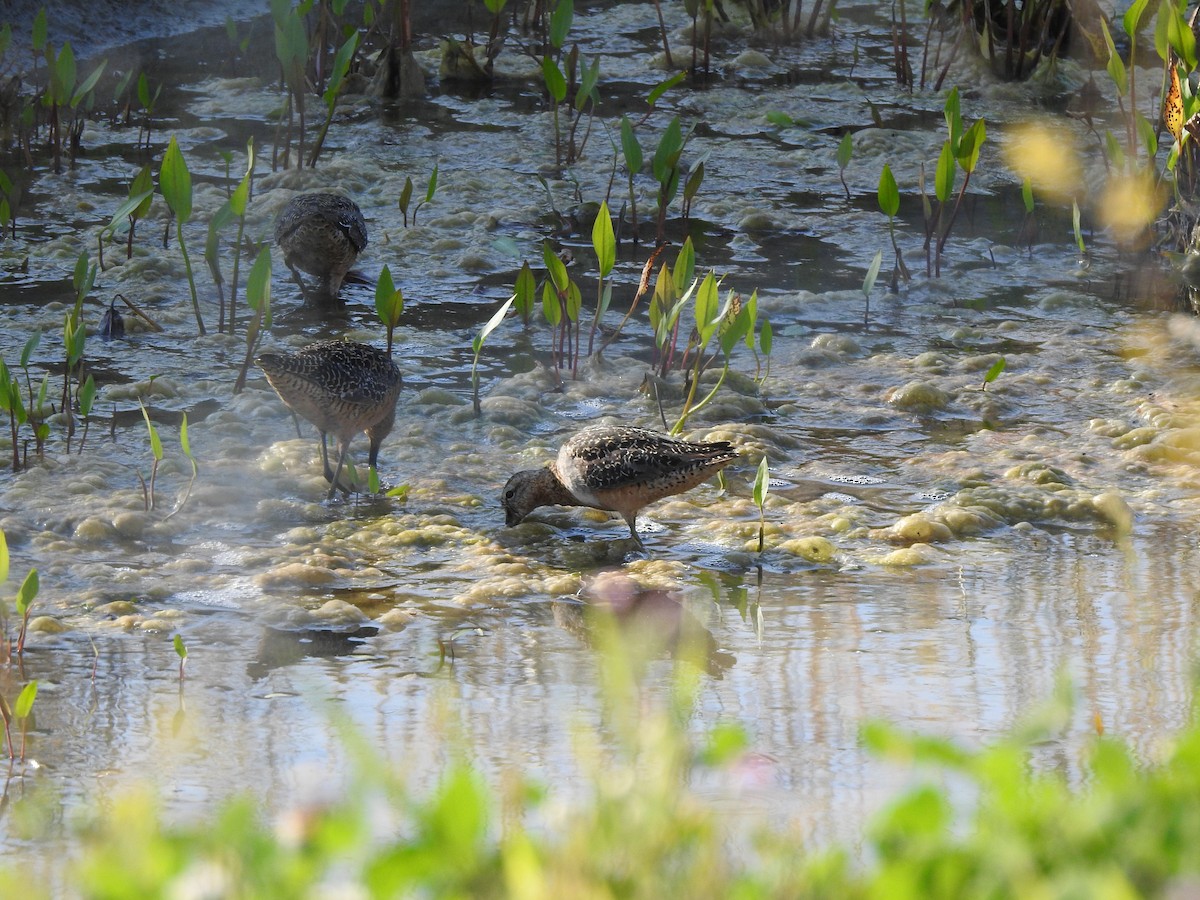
(511, 517)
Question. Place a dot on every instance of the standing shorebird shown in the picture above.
(617, 468)
(342, 387)
(321, 234)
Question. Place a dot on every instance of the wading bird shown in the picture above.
(617, 468)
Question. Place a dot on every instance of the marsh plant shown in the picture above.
(477, 348)
(389, 304)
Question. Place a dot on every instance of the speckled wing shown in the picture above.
(601, 460)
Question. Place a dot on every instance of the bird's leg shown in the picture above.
(296, 422)
(329, 476)
(342, 449)
(299, 282)
(631, 521)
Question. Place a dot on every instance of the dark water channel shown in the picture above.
(982, 542)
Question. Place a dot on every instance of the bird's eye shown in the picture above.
(508, 495)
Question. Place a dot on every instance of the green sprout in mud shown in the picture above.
(762, 481)
(20, 711)
(156, 450)
(131, 211)
(869, 284)
(525, 292)
(175, 183)
(960, 150)
(337, 77)
(407, 191)
(477, 347)
(181, 652)
(24, 603)
(604, 242)
(561, 302)
(389, 304)
(291, 49)
(258, 298)
(889, 204)
(233, 208)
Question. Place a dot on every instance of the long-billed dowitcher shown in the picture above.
(321, 234)
(342, 387)
(617, 468)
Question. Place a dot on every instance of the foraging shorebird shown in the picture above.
(616, 468)
(342, 387)
(321, 234)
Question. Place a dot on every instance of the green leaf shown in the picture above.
(740, 328)
(389, 302)
(31, 344)
(695, 179)
(685, 266)
(341, 65)
(551, 308)
(587, 84)
(765, 335)
(180, 649)
(64, 73)
(40, 30)
(493, 323)
(87, 394)
(258, 282)
(663, 86)
(1147, 134)
(666, 157)
(155, 441)
(779, 119)
(970, 144)
(556, 82)
(1136, 17)
(1162, 29)
(1116, 68)
(706, 307)
(761, 485)
(88, 84)
(524, 291)
(1027, 195)
(3, 557)
(604, 240)
(574, 301)
(29, 590)
(845, 149)
(184, 442)
(872, 274)
(128, 208)
(431, 188)
(175, 182)
(889, 193)
(24, 705)
(953, 116)
(560, 22)
(630, 147)
(555, 267)
(946, 170)
(405, 195)
(994, 372)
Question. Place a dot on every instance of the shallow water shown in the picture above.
(984, 540)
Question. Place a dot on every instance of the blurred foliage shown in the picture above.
(982, 823)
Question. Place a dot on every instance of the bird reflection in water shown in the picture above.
(645, 623)
(281, 647)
